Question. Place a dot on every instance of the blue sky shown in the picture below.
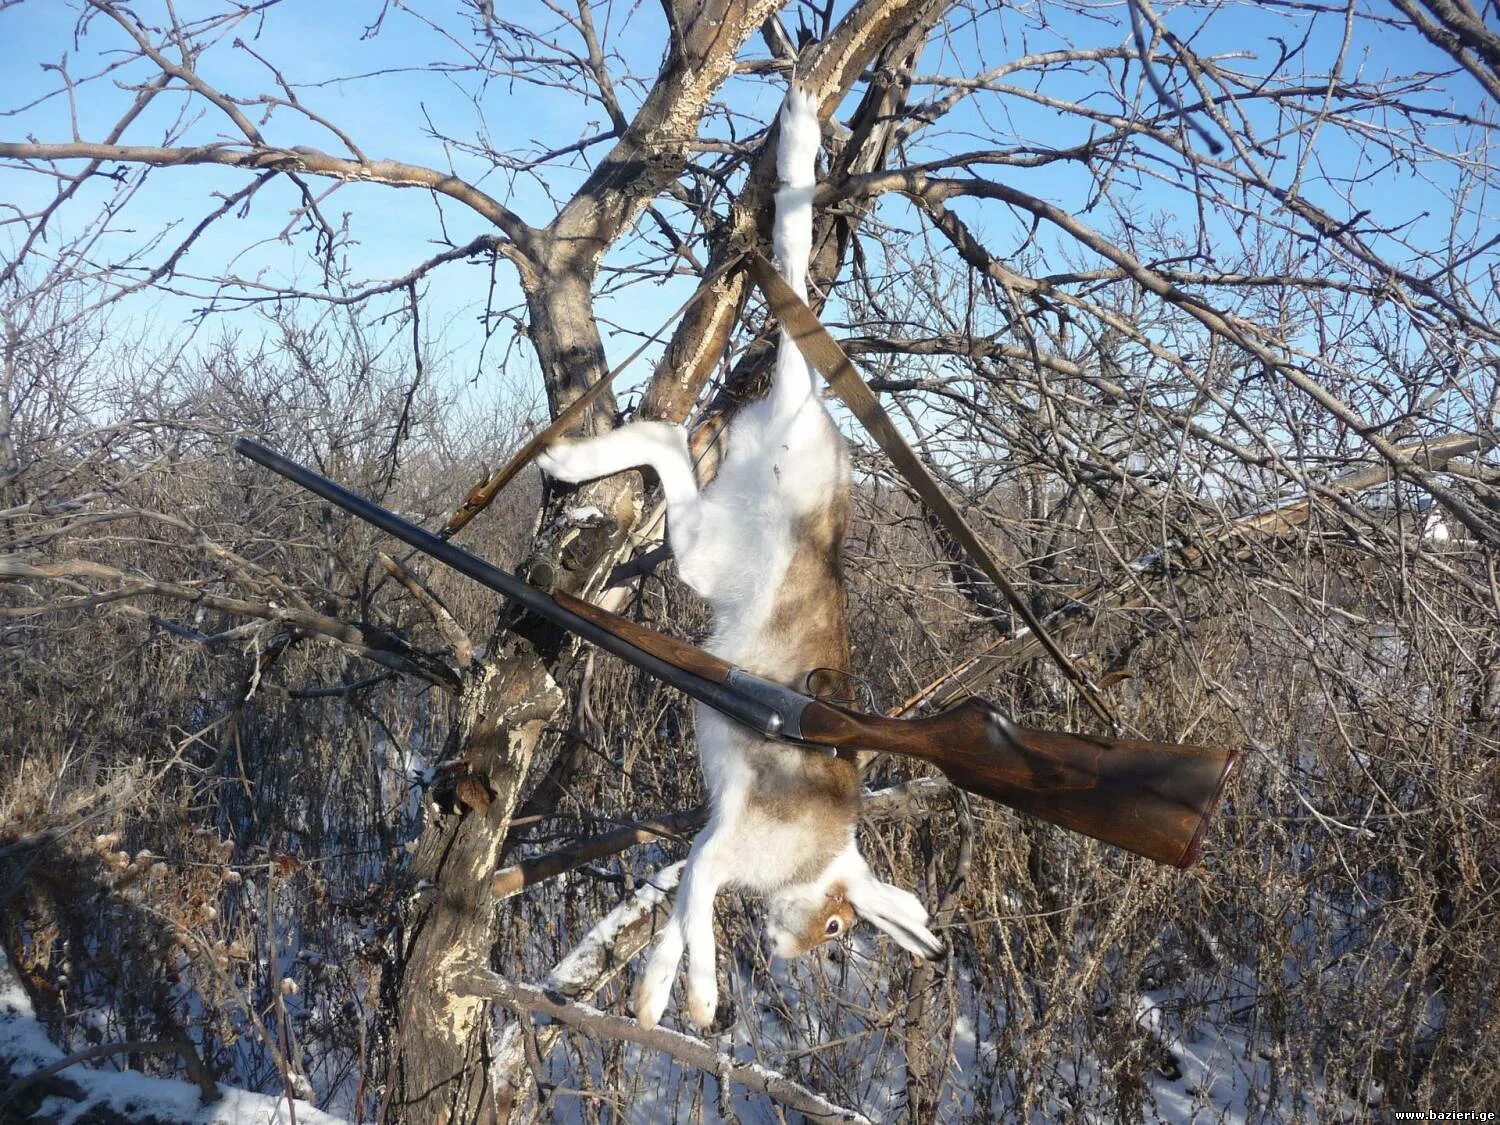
(387, 115)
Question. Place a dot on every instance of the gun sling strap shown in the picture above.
(831, 361)
(824, 353)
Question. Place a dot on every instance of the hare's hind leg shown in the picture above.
(655, 986)
(657, 445)
(663, 448)
(698, 928)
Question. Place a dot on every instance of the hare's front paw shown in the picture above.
(702, 999)
(566, 461)
(554, 460)
(655, 986)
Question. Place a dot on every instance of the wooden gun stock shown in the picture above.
(1152, 798)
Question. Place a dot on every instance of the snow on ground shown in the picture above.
(1218, 1072)
(1219, 1078)
(1211, 1075)
(102, 1095)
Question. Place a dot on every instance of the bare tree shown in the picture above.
(1203, 335)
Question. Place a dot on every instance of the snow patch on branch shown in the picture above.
(583, 970)
(590, 956)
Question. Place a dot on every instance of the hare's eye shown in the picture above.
(833, 927)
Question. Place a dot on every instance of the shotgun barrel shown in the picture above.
(1155, 799)
(607, 630)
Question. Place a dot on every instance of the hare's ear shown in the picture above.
(896, 912)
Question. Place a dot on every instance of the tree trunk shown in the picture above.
(440, 1046)
(440, 1035)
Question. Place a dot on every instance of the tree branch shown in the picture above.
(683, 1048)
(451, 631)
(934, 193)
(258, 158)
(374, 644)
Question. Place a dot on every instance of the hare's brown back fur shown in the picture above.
(817, 792)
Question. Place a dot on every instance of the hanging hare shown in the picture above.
(762, 544)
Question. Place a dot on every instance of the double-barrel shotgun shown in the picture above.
(1151, 798)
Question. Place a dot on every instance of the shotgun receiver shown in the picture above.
(1151, 798)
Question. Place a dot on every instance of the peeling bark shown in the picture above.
(439, 1034)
